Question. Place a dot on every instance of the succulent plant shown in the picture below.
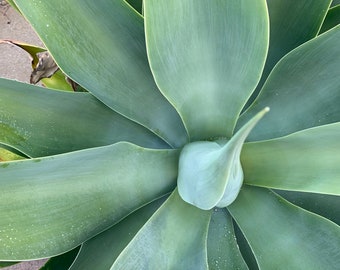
(172, 159)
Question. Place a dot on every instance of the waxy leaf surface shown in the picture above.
(293, 237)
(209, 71)
(98, 186)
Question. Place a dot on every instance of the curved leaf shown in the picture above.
(173, 238)
(207, 57)
(304, 161)
(210, 174)
(332, 19)
(101, 251)
(321, 204)
(223, 251)
(102, 48)
(38, 122)
(53, 204)
(292, 236)
(291, 24)
(300, 93)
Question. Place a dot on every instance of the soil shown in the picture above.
(15, 64)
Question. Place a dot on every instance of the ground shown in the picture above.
(16, 64)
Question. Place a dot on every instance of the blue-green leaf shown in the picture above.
(173, 238)
(51, 205)
(205, 59)
(300, 93)
(294, 238)
(304, 161)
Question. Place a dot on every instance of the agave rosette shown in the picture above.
(169, 159)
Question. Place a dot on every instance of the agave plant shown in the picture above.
(172, 159)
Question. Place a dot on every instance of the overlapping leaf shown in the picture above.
(292, 236)
(97, 186)
(173, 238)
(302, 90)
(101, 251)
(103, 49)
(304, 161)
(209, 72)
(223, 251)
(291, 24)
(38, 122)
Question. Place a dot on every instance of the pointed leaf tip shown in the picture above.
(210, 174)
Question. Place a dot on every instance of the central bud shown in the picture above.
(210, 173)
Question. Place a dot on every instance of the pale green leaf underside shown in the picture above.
(302, 91)
(173, 238)
(294, 238)
(207, 57)
(223, 251)
(41, 122)
(307, 161)
(102, 48)
(210, 174)
(101, 251)
(53, 204)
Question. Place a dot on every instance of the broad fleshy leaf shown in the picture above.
(39, 122)
(103, 50)
(292, 236)
(173, 238)
(291, 24)
(101, 251)
(98, 186)
(304, 161)
(223, 251)
(210, 174)
(205, 59)
(300, 93)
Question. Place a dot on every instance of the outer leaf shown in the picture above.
(332, 19)
(210, 174)
(102, 48)
(292, 236)
(300, 93)
(39, 122)
(53, 204)
(207, 57)
(304, 161)
(173, 238)
(223, 251)
(101, 251)
(291, 24)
